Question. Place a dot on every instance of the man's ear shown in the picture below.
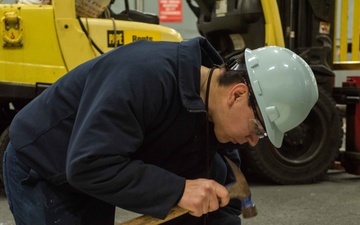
(237, 92)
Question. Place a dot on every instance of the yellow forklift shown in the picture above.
(40, 43)
(306, 27)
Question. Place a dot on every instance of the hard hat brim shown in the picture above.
(274, 134)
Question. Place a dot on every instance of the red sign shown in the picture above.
(170, 10)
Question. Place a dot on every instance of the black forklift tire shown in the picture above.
(307, 151)
(4, 141)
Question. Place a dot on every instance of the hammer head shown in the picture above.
(240, 190)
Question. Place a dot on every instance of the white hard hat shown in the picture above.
(284, 87)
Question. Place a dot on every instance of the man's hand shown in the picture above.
(202, 196)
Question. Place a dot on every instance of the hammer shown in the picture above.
(239, 189)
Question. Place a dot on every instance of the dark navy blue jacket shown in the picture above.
(127, 127)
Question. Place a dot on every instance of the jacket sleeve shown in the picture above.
(110, 123)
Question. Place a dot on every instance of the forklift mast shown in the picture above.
(302, 26)
(230, 25)
(308, 28)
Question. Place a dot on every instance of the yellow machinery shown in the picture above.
(43, 42)
(40, 43)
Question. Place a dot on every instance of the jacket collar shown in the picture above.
(192, 54)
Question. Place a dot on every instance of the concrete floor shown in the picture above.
(333, 200)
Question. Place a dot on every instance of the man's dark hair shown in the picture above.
(233, 76)
(240, 75)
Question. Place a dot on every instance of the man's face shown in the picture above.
(239, 123)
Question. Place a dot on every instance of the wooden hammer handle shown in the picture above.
(148, 220)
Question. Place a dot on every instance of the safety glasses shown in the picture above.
(256, 128)
(256, 125)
